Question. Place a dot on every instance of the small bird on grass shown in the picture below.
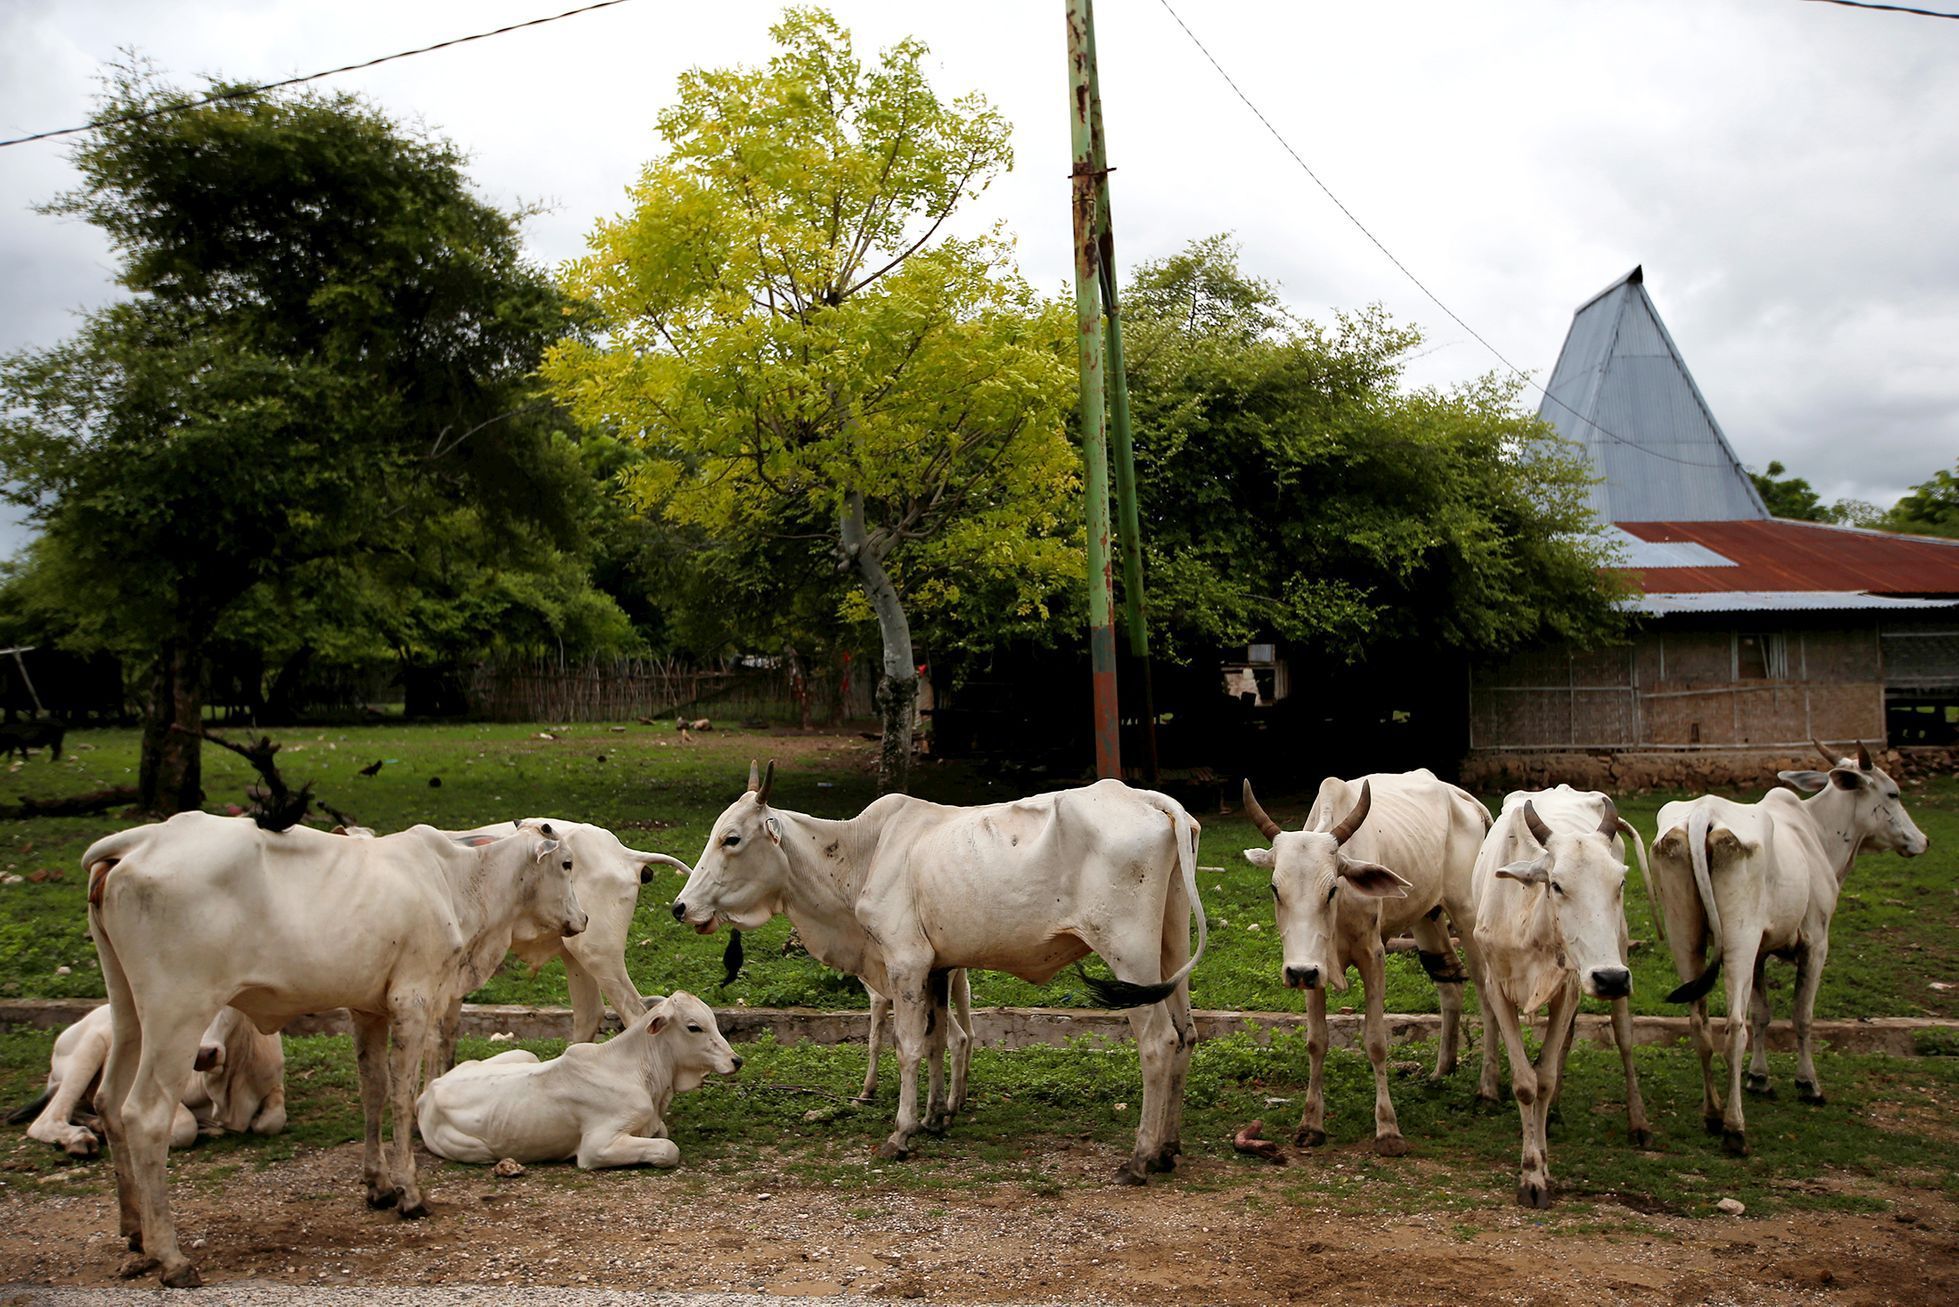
(373, 767)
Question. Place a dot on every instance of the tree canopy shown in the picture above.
(804, 357)
(1930, 508)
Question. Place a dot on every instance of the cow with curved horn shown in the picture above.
(908, 891)
(1742, 881)
(1550, 922)
(1379, 855)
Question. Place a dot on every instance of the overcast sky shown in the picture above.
(1787, 172)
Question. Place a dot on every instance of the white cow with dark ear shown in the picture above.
(1551, 923)
(598, 1104)
(1746, 880)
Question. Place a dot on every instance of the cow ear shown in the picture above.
(1371, 880)
(545, 848)
(1530, 873)
(1809, 781)
(1846, 778)
(774, 828)
(1260, 858)
(656, 1021)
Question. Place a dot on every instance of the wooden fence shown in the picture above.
(629, 689)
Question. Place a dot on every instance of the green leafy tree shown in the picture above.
(1931, 507)
(329, 335)
(1291, 487)
(805, 358)
(1789, 496)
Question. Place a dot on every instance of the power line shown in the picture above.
(248, 91)
(1895, 9)
(1522, 375)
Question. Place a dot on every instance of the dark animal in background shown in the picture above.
(373, 767)
(25, 737)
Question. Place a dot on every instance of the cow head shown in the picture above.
(547, 901)
(1863, 800)
(1312, 881)
(740, 876)
(692, 1040)
(1582, 882)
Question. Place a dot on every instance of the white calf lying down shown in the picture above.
(601, 1104)
(239, 1084)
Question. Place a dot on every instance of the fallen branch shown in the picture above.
(275, 805)
(75, 805)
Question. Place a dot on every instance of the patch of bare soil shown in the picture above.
(1232, 1237)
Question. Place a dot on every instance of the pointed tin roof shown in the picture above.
(1622, 393)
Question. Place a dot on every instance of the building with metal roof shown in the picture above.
(1756, 633)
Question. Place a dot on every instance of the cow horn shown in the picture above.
(1538, 830)
(768, 783)
(1609, 824)
(1863, 756)
(1266, 826)
(1351, 823)
(1828, 757)
(754, 776)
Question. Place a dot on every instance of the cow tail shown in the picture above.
(1627, 829)
(1699, 821)
(1123, 994)
(27, 1112)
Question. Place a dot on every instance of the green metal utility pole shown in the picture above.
(1091, 357)
(1117, 379)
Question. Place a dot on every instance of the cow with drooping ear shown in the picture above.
(1380, 855)
(1737, 882)
(1551, 923)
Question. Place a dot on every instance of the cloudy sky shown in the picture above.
(1786, 172)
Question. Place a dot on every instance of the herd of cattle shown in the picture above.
(214, 933)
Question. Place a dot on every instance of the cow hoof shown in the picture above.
(1163, 1160)
(83, 1145)
(135, 1241)
(1308, 1137)
(1131, 1173)
(1640, 1137)
(135, 1266)
(414, 1211)
(892, 1152)
(182, 1276)
(1734, 1143)
(1807, 1091)
(1758, 1086)
(1489, 1102)
(865, 1098)
(1534, 1194)
(1714, 1125)
(1390, 1145)
(380, 1200)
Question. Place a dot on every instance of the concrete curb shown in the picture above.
(1021, 1027)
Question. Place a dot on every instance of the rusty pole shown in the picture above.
(1090, 356)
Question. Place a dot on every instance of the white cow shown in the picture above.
(1380, 854)
(601, 1104)
(958, 1004)
(1550, 921)
(909, 889)
(238, 1084)
(1759, 879)
(606, 876)
(199, 911)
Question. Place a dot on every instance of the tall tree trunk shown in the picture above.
(171, 776)
(896, 696)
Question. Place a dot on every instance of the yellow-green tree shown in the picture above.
(803, 352)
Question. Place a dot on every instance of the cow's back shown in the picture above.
(1423, 829)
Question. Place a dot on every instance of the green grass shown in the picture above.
(1896, 930)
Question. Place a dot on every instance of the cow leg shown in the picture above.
(1757, 1081)
(411, 1042)
(371, 1062)
(880, 1007)
(441, 1057)
(1157, 1048)
(1702, 1029)
(911, 1006)
(961, 1035)
(1312, 1122)
(270, 1118)
(1489, 1081)
(56, 1124)
(112, 1091)
(1562, 1022)
(1440, 962)
(1373, 974)
(1533, 1185)
(587, 1004)
(1742, 969)
(1809, 975)
(1638, 1132)
(612, 1147)
(169, 1047)
(1181, 1032)
(937, 1115)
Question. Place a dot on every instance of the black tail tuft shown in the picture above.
(1697, 988)
(27, 1112)
(1120, 993)
(731, 959)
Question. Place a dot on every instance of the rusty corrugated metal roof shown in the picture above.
(1777, 554)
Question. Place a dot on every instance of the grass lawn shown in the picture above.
(1896, 932)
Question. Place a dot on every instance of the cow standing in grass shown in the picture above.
(199, 911)
(908, 891)
(1380, 854)
(1551, 923)
(1749, 881)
